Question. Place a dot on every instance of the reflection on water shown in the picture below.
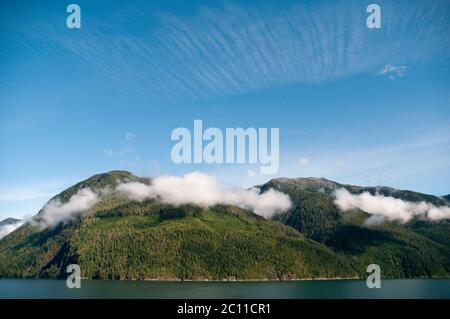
(404, 288)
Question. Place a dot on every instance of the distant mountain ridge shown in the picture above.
(8, 225)
(9, 221)
(326, 186)
(121, 238)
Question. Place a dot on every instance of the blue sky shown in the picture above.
(355, 105)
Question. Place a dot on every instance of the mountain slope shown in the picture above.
(414, 249)
(120, 238)
(124, 239)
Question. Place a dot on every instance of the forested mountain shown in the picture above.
(414, 249)
(120, 238)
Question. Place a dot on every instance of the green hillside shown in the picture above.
(123, 239)
(415, 249)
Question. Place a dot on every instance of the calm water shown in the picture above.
(411, 288)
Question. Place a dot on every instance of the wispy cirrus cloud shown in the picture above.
(391, 164)
(108, 152)
(392, 71)
(232, 49)
(24, 200)
(303, 162)
(241, 49)
(127, 156)
(28, 192)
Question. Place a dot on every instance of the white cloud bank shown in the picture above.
(6, 229)
(193, 188)
(55, 211)
(204, 190)
(390, 208)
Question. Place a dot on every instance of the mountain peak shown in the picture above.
(303, 179)
(113, 173)
(99, 182)
(306, 183)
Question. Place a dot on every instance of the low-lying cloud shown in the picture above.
(389, 208)
(6, 229)
(55, 211)
(204, 190)
(193, 188)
